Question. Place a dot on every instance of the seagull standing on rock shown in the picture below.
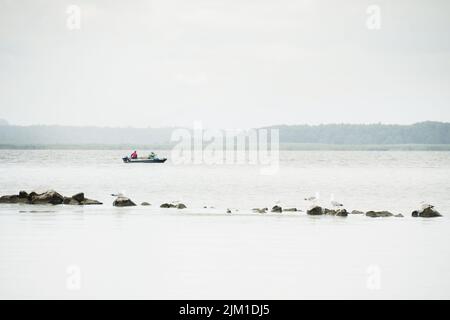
(336, 204)
(117, 194)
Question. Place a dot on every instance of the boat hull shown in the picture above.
(128, 160)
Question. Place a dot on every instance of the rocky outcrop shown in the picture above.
(181, 206)
(426, 212)
(315, 211)
(48, 197)
(123, 202)
(277, 209)
(379, 214)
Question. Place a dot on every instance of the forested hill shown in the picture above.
(331, 134)
(419, 133)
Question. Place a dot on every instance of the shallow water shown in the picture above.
(148, 252)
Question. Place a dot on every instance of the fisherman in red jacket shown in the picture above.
(134, 155)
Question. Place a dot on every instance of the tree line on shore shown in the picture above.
(424, 133)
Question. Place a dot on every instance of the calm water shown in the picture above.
(148, 252)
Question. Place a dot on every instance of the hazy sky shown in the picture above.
(230, 63)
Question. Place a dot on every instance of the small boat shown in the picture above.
(144, 160)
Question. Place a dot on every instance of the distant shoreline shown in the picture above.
(283, 147)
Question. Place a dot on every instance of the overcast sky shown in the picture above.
(229, 64)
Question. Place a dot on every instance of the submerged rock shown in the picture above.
(356, 212)
(399, 215)
(167, 205)
(277, 209)
(315, 211)
(426, 212)
(181, 206)
(379, 214)
(290, 210)
(90, 202)
(70, 201)
(145, 204)
(260, 210)
(123, 202)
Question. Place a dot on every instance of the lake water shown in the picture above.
(205, 253)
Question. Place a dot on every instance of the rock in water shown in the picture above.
(181, 206)
(49, 197)
(329, 212)
(290, 210)
(259, 210)
(79, 200)
(356, 212)
(145, 204)
(89, 202)
(10, 199)
(341, 213)
(228, 211)
(123, 202)
(78, 197)
(426, 212)
(70, 201)
(277, 209)
(338, 212)
(167, 205)
(379, 214)
(315, 211)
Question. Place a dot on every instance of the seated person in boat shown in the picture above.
(134, 155)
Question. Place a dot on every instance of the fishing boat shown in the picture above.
(144, 160)
(152, 158)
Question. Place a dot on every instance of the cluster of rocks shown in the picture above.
(171, 205)
(48, 197)
(275, 209)
(427, 211)
(318, 211)
(54, 198)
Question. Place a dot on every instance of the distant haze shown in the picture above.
(425, 133)
(229, 64)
